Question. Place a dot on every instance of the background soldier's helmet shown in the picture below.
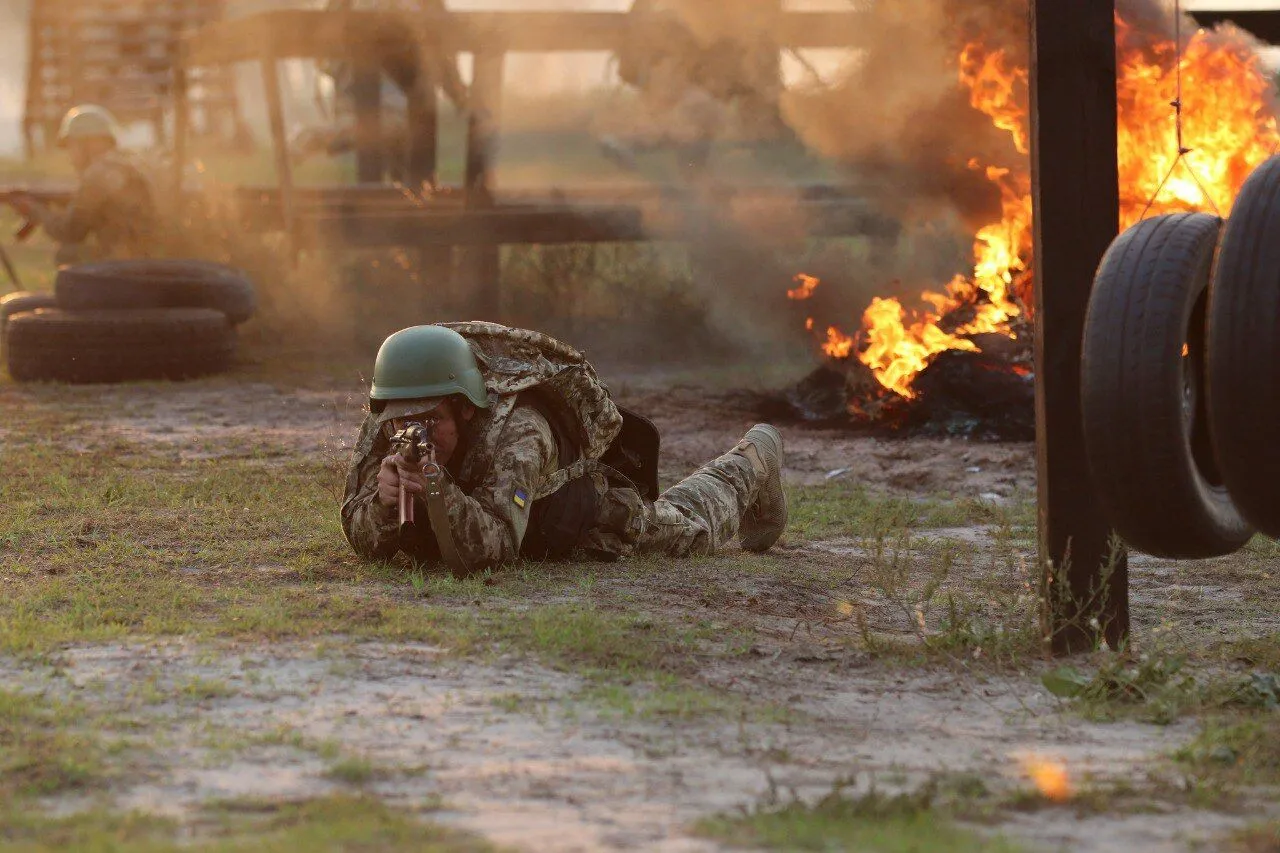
(87, 122)
(426, 361)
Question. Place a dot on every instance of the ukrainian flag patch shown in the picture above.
(521, 498)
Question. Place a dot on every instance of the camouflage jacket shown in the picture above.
(115, 204)
(512, 455)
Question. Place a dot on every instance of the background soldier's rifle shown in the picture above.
(28, 227)
(22, 234)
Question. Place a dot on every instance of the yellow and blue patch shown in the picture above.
(521, 498)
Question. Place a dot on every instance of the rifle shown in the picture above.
(28, 227)
(9, 268)
(415, 446)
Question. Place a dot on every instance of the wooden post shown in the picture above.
(280, 145)
(434, 262)
(423, 119)
(483, 267)
(366, 91)
(181, 121)
(1075, 184)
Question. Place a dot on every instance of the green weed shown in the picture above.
(869, 823)
(1244, 752)
(42, 751)
(338, 824)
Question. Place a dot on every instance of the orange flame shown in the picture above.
(808, 284)
(1228, 125)
(838, 345)
(1049, 776)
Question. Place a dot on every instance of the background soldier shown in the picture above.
(692, 64)
(412, 70)
(113, 213)
(520, 422)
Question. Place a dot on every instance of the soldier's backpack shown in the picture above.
(593, 433)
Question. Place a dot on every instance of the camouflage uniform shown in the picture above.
(512, 450)
(115, 205)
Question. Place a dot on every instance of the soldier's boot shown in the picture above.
(766, 517)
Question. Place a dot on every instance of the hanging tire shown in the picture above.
(118, 346)
(1142, 382)
(1244, 349)
(156, 284)
(23, 300)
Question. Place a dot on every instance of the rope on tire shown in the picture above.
(1183, 150)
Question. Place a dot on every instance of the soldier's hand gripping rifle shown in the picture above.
(415, 446)
(418, 451)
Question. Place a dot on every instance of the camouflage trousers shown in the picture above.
(700, 514)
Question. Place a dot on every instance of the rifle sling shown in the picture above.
(438, 515)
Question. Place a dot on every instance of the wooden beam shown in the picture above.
(312, 33)
(1076, 194)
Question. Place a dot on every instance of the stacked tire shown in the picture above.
(1244, 350)
(1143, 392)
(116, 321)
(1180, 377)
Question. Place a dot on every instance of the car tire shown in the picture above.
(1244, 349)
(23, 300)
(161, 283)
(1142, 382)
(51, 344)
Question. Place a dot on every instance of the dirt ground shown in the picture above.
(517, 751)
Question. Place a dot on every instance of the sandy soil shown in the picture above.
(543, 772)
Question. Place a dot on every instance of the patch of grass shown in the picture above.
(870, 823)
(1258, 838)
(1262, 652)
(913, 605)
(585, 636)
(353, 770)
(852, 510)
(672, 698)
(41, 750)
(1244, 752)
(337, 823)
(1157, 688)
(203, 689)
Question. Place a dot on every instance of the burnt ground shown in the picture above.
(888, 643)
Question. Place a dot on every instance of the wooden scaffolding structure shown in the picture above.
(119, 54)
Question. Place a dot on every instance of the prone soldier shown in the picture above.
(521, 431)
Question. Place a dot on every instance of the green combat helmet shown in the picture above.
(426, 361)
(87, 122)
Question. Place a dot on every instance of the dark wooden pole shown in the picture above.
(423, 119)
(434, 262)
(366, 92)
(1077, 202)
(482, 266)
(181, 122)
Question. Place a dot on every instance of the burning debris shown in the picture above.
(961, 361)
